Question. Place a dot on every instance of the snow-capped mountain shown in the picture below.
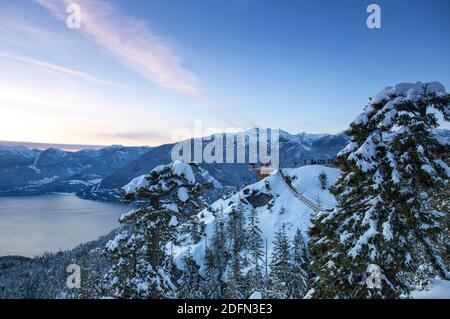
(295, 150)
(98, 174)
(26, 172)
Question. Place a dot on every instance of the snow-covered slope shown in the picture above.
(439, 289)
(275, 204)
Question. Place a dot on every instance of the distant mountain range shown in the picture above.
(294, 151)
(98, 174)
(25, 171)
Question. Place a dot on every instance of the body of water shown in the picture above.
(30, 226)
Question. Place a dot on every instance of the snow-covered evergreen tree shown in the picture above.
(141, 261)
(441, 203)
(191, 282)
(423, 276)
(280, 266)
(91, 275)
(235, 285)
(255, 245)
(298, 285)
(385, 211)
(323, 180)
(236, 228)
(216, 261)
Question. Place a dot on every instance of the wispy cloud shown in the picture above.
(69, 72)
(18, 32)
(131, 42)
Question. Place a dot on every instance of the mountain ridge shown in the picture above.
(295, 151)
(99, 174)
(25, 171)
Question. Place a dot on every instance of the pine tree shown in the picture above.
(423, 276)
(323, 180)
(138, 257)
(216, 261)
(191, 282)
(255, 245)
(298, 285)
(441, 203)
(384, 207)
(236, 228)
(141, 264)
(212, 284)
(91, 274)
(280, 266)
(235, 286)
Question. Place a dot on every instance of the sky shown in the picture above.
(137, 72)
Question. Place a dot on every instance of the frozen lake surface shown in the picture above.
(30, 226)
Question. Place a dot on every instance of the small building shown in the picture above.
(262, 171)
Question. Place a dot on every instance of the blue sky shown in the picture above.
(138, 70)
